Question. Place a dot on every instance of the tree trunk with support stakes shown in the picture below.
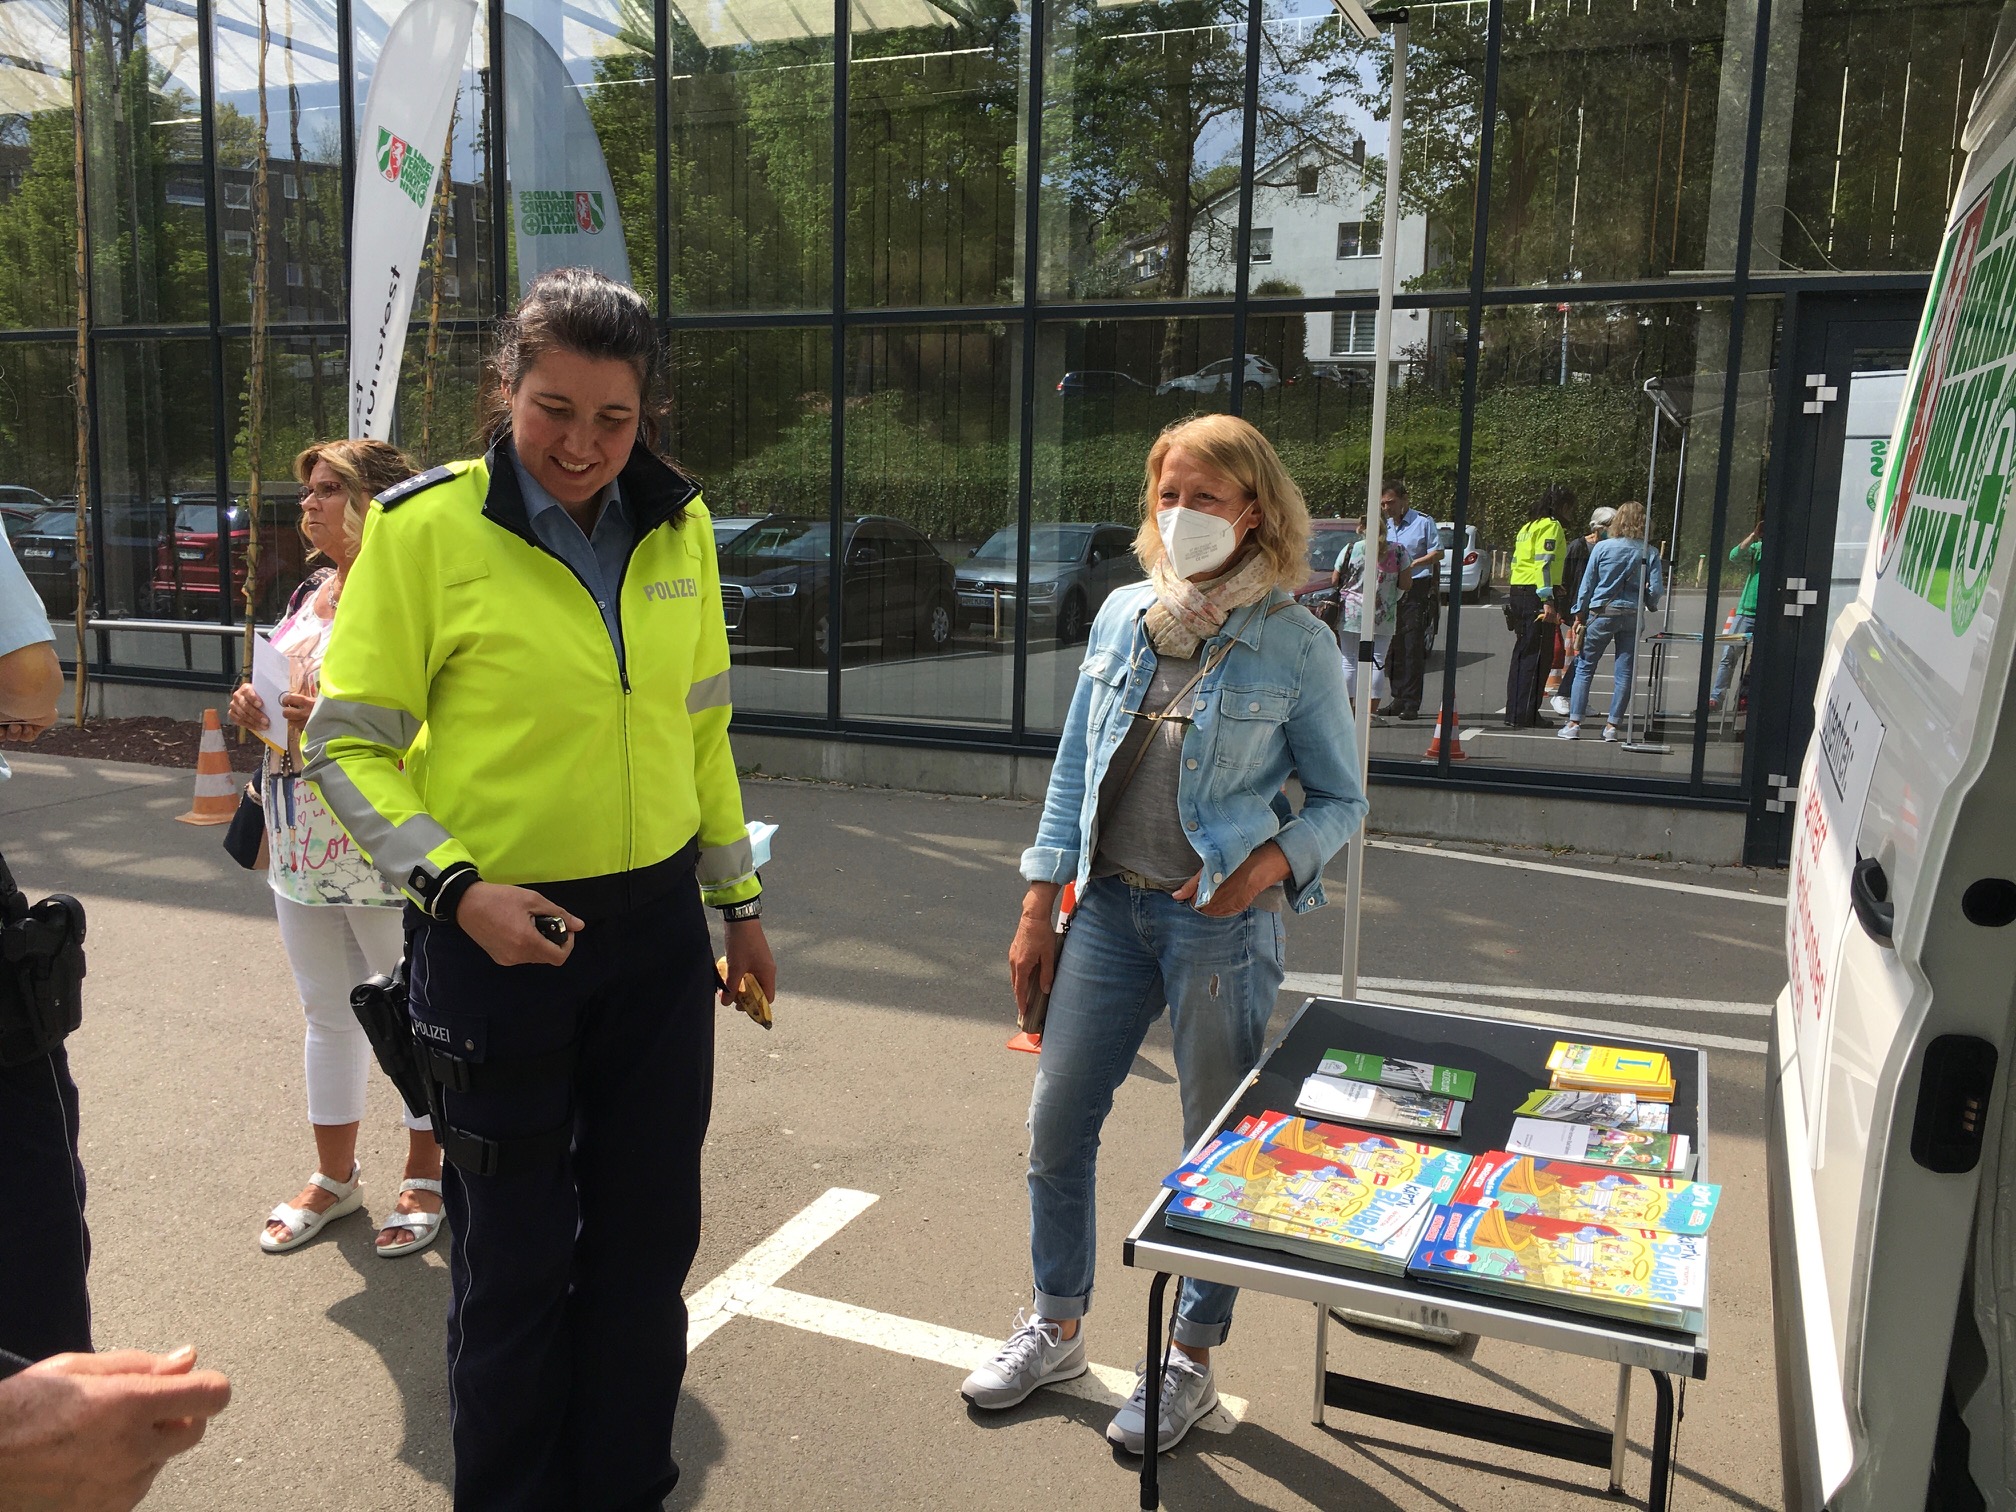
(443, 205)
(255, 399)
(81, 374)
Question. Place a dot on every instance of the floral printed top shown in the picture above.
(310, 857)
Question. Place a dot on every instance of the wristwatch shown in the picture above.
(741, 913)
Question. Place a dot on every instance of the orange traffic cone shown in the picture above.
(1456, 751)
(216, 789)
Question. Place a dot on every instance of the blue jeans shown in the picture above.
(1742, 624)
(1597, 637)
(1129, 952)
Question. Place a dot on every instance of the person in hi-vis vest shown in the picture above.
(523, 722)
(1530, 609)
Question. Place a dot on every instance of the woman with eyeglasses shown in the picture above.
(339, 921)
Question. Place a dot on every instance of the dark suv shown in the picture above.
(777, 577)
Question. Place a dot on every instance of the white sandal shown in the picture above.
(304, 1224)
(426, 1227)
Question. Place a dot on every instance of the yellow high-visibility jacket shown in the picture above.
(1536, 557)
(473, 712)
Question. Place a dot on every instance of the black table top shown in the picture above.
(1510, 1062)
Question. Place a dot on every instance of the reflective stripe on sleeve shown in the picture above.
(393, 728)
(397, 850)
(708, 693)
(725, 865)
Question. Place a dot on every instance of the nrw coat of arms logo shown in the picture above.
(400, 164)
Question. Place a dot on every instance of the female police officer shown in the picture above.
(524, 718)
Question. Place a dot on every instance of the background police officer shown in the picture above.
(551, 617)
(1529, 603)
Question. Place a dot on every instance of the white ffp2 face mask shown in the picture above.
(1196, 542)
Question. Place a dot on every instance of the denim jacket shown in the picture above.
(1274, 705)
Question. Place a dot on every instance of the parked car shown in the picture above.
(1072, 568)
(47, 551)
(19, 508)
(776, 586)
(1083, 382)
(1476, 562)
(727, 527)
(186, 569)
(1216, 377)
(1327, 538)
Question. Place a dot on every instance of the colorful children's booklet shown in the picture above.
(1366, 1152)
(1644, 1275)
(1201, 1215)
(1558, 1189)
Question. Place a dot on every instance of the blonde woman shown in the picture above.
(1622, 572)
(1202, 690)
(340, 923)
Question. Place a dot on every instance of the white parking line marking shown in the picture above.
(748, 1289)
(947, 1346)
(1327, 986)
(769, 1262)
(1621, 879)
(1551, 995)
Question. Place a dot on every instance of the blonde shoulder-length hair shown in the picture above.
(1629, 520)
(367, 469)
(1232, 448)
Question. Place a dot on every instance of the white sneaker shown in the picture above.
(1569, 732)
(1610, 733)
(1558, 704)
(1035, 1354)
(1187, 1395)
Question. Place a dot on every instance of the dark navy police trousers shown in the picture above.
(566, 1329)
(44, 1245)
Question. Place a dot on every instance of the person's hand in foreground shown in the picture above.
(89, 1432)
(749, 955)
(1032, 955)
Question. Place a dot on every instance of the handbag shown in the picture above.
(245, 836)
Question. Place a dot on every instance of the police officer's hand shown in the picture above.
(749, 955)
(499, 918)
(88, 1433)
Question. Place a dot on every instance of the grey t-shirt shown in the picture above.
(1140, 826)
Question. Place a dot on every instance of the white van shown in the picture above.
(1892, 1152)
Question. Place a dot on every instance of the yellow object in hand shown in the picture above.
(749, 996)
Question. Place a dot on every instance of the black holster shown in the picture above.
(380, 1006)
(41, 971)
(420, 1072)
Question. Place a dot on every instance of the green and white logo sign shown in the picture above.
(399, 162)
(561, 212)
(1946, 498)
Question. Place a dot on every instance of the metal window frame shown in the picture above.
(1030, 313)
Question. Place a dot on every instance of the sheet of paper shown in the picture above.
(272, 676)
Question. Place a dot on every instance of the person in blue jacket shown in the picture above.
(1202, 691)
(1622, 574)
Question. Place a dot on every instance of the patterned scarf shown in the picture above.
(1186, 614)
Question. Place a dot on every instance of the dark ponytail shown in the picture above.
(574, 310)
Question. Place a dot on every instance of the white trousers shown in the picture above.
(1379, 687)
(332, 948)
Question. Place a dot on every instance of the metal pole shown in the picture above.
(1631, 740)
(1368, 577)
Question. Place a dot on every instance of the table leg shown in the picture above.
(1662, 1442)
(1620, 1432)
(1151, 1427)
(1322, 1361)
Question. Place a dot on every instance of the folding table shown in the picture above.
(1509, 1060)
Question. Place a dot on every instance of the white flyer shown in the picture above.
(272, 676)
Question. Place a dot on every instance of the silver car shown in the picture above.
(1072, 568)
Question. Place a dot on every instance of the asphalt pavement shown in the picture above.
(866, 1215)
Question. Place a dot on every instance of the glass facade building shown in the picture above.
(932, 274)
